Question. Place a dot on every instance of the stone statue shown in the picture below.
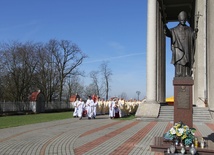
(182, 46)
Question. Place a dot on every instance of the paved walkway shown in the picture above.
(100, 136)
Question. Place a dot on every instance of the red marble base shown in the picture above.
(183, 110)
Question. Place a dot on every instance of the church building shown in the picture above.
(200, 15)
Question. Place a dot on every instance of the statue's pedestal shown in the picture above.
(183, 110)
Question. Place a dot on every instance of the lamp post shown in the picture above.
(138, 93)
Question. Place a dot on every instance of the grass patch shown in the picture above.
(19, 120)
(129, 117)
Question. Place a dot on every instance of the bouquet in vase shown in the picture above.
(181, 132)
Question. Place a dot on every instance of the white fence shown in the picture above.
(13, 107)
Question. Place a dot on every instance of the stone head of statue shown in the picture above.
(182, 17)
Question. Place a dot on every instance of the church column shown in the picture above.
(151, 91)
(199, 68)
(164, 61)
(161, 72)
(158, 59)
(210, 54)
(162, 65)
(150, 108)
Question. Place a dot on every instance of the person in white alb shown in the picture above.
(121, 103)
(75, 114)
(89, 104)
(116, 108)
(111, 108)
(94, 108)
(80, 106)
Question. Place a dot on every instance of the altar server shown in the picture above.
(111, 108)
(75, 114)
(89, 104)
(80, 106)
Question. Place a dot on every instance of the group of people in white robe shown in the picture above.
(89, 106)
(114, 107)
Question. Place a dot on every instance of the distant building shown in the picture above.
(37, 102)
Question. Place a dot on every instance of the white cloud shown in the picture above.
(116, 46)
(115, 57)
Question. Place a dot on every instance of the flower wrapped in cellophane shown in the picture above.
(182, 132)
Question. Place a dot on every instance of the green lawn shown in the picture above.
(19, 120)
(129, 117)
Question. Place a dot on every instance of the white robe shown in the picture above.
(80, 106)
(75, 108)
(111, 109)
(94, 109)
(89, 105)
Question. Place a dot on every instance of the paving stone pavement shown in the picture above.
(100, 136)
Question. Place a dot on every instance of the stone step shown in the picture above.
(200, 114)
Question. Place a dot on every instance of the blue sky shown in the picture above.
(105, 30)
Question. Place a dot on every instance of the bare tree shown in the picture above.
(2, 72)
(106, 73)
(29, 66)
(75, 86)
(90, 90)
(46, 75)
(95, 76)
(67, 57)
(20, 63)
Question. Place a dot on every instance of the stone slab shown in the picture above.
(148, 110)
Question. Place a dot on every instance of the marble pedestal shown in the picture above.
(183, 110)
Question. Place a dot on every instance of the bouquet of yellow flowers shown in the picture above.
(182, 132)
